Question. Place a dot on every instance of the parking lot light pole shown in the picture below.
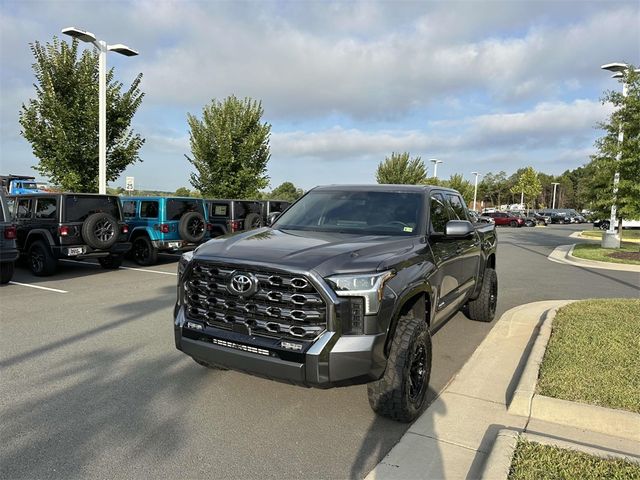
(475, 190)
(103, 48)
(609, 239)
(435, 162)
(553, 203)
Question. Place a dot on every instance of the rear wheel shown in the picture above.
(483, 308)
(6, 272)
(41, 261)
(112, 262)
(402, 391)
(513, 223)
(143, 251)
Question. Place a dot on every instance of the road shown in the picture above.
(92, 386)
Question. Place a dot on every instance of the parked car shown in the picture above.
(344, 288)
(541, 219)
(51, 226)
(229, 216)
(505, 218)
(556, 217)
(604, 224)
(475, 217)
(164, 224)
(8, 250)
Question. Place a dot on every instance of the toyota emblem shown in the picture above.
(243, 284)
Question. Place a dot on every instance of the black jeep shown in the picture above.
(229, 216)
(51, 226)
(8, 251)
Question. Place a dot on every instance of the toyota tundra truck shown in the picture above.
(343, 288)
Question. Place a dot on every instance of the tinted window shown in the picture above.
(24, 208)
(219, 209)
(149, 209)
(176, 208)
(129, 209)
(242, 209)
(458, 207)
(278, 206)
(362, 213)
(439, 213)
(77, 208)
(46, 208)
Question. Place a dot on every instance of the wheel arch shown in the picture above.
(419, 302)
(39, 234)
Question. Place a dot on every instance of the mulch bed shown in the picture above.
(625, 255)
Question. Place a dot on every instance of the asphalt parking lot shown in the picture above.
(91, 384)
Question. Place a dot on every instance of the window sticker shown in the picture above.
(408, 229)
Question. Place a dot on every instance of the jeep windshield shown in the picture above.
(360, 213)
(78, 207)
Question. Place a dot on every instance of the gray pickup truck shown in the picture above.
(343, 288)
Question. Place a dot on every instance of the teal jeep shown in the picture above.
(164, 224)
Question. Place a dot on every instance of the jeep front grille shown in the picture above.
(284, 305)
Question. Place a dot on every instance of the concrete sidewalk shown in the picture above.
(454, 436)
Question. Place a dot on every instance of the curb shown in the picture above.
(525, 402)
(596, 239)
(563, 254)
(499, 461)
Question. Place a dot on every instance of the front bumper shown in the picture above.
(330, 361)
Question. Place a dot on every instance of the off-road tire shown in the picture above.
(483, 308)
(192, 227)
(209, 365)
(6, 272)
(100, 231)
(253, 220)
(391, 395)
(111, 262)
(41, 261)
(143, 252)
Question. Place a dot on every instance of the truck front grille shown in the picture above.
(280, 304)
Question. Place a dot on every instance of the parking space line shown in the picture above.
(124, 268)
(39, 287)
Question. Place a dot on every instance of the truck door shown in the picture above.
(467, 249)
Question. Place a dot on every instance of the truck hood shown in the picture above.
(326, 253)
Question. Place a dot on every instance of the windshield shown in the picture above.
(30, 185)
(362, 213)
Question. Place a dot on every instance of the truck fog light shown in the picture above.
(194, 326)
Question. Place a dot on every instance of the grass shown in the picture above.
(592, 355)
(590, 251)
(533, 461)
(626, 234)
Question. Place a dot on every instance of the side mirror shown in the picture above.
(458, 228)
(272, 217)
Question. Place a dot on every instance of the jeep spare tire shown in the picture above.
(253, 220)
(100, 230)
(192, 227)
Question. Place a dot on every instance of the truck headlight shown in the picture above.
(368, 286)
(183, 262)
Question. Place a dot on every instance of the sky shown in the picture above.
(481, 85)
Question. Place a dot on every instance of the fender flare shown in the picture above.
(39, 232)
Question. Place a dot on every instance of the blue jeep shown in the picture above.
(164, 224)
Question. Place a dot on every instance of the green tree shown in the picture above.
(494, 187)
(183, 192)
(400, 169)
(230, 149)
(529, 184)
(457, 182)
(286, 191)
(604, 164)
(61, 122)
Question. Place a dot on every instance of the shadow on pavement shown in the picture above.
(91, 400)
(383, 434)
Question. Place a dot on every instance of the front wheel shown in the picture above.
(6, 272)
(513, 223)
(143, 251)
(483, 308)
(401, 393)
(111, 262)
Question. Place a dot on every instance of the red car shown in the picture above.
(504, 218)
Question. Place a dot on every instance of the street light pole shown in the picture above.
(435, 162)
(475, 190)
(103, 48)
(553, 204)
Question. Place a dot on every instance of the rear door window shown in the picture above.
(77, 208)
(176, 208)
(129, 208)
(24, 208)
(149, 209)
(46, 209)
